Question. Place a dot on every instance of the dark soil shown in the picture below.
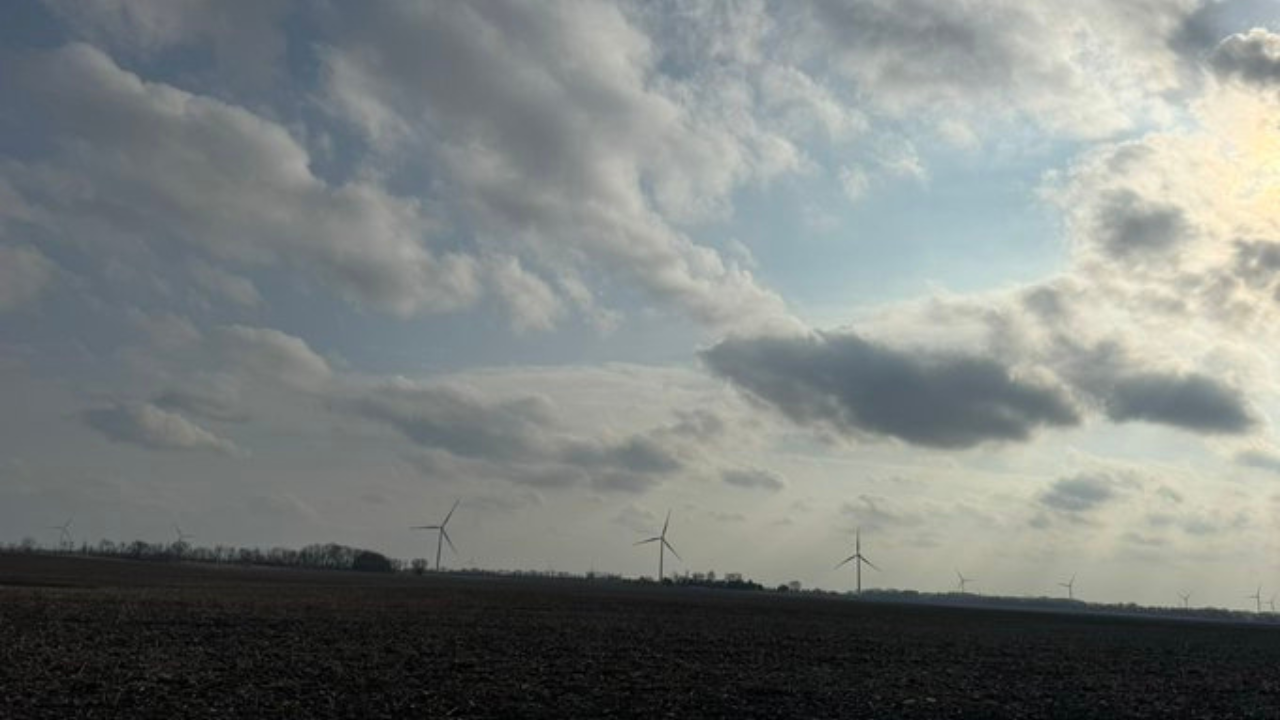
(95, 638)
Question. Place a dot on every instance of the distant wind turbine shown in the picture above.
(1256, 596)
(181, 543)
(1186, 599)
(182, 537)
(963, 581)
(857, 559)
(663, 545)
(1070, 585)
(1272, 603)
(442, 534)
(64, 533)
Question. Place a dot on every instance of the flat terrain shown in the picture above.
(98, 638)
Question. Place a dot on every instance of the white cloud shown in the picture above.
(1087, 69)
(271, 355)
(565, 144)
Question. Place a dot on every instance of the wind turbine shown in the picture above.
(663, 545)
(963, 581)
(443, 535)
(64, 534)
(1070, 585)
(1186, 599)
(181, 543)
(857, 558)
(1256, 596)
(1272, 603)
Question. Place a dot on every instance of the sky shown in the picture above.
(995, 281)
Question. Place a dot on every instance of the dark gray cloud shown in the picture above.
(1107, 373)
(460, 423)
(855, 386)
(518, 440)
(201, 403)
(1253, 57)
(1259, 459)
(1129, 225)
(1079, 494)
(1192, 402)
(637, 454)
(1199, 522)
(150, 427)
(1257, 264)
(753, 479)
(873, 513)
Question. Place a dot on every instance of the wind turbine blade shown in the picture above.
(844, 562)
(424, 527)
(643, 542)
(446, 517)
(873, 565)
(673, 550)
(665, 523)
(445, 535)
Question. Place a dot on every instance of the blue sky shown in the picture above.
(992, 280)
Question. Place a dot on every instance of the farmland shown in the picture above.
(99, 638)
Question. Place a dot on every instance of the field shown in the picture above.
(100, 638)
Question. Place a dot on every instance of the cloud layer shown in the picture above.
(854, 386)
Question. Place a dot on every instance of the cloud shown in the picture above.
(271, 355)
(1079, 494)
(459, 422)
(1261, 459)
(24, 274)
(244, 39)
(566, 144)
(1128, 225)
(753, 479)
(1056, 65)
(1192, 402)
(637, 454)
(872, 513)
(854, 386)
(228, 286)
(171, 168)
(520, 440)
(218, 400)
(1253, 57)
(148, 426)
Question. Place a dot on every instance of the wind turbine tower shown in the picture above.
(1257, 596)
(180, 545)
(663, 545)
(963, 581)
(442, 535)
(1186, 600)
(1070, 585)
(857, 558)
(64, 534)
